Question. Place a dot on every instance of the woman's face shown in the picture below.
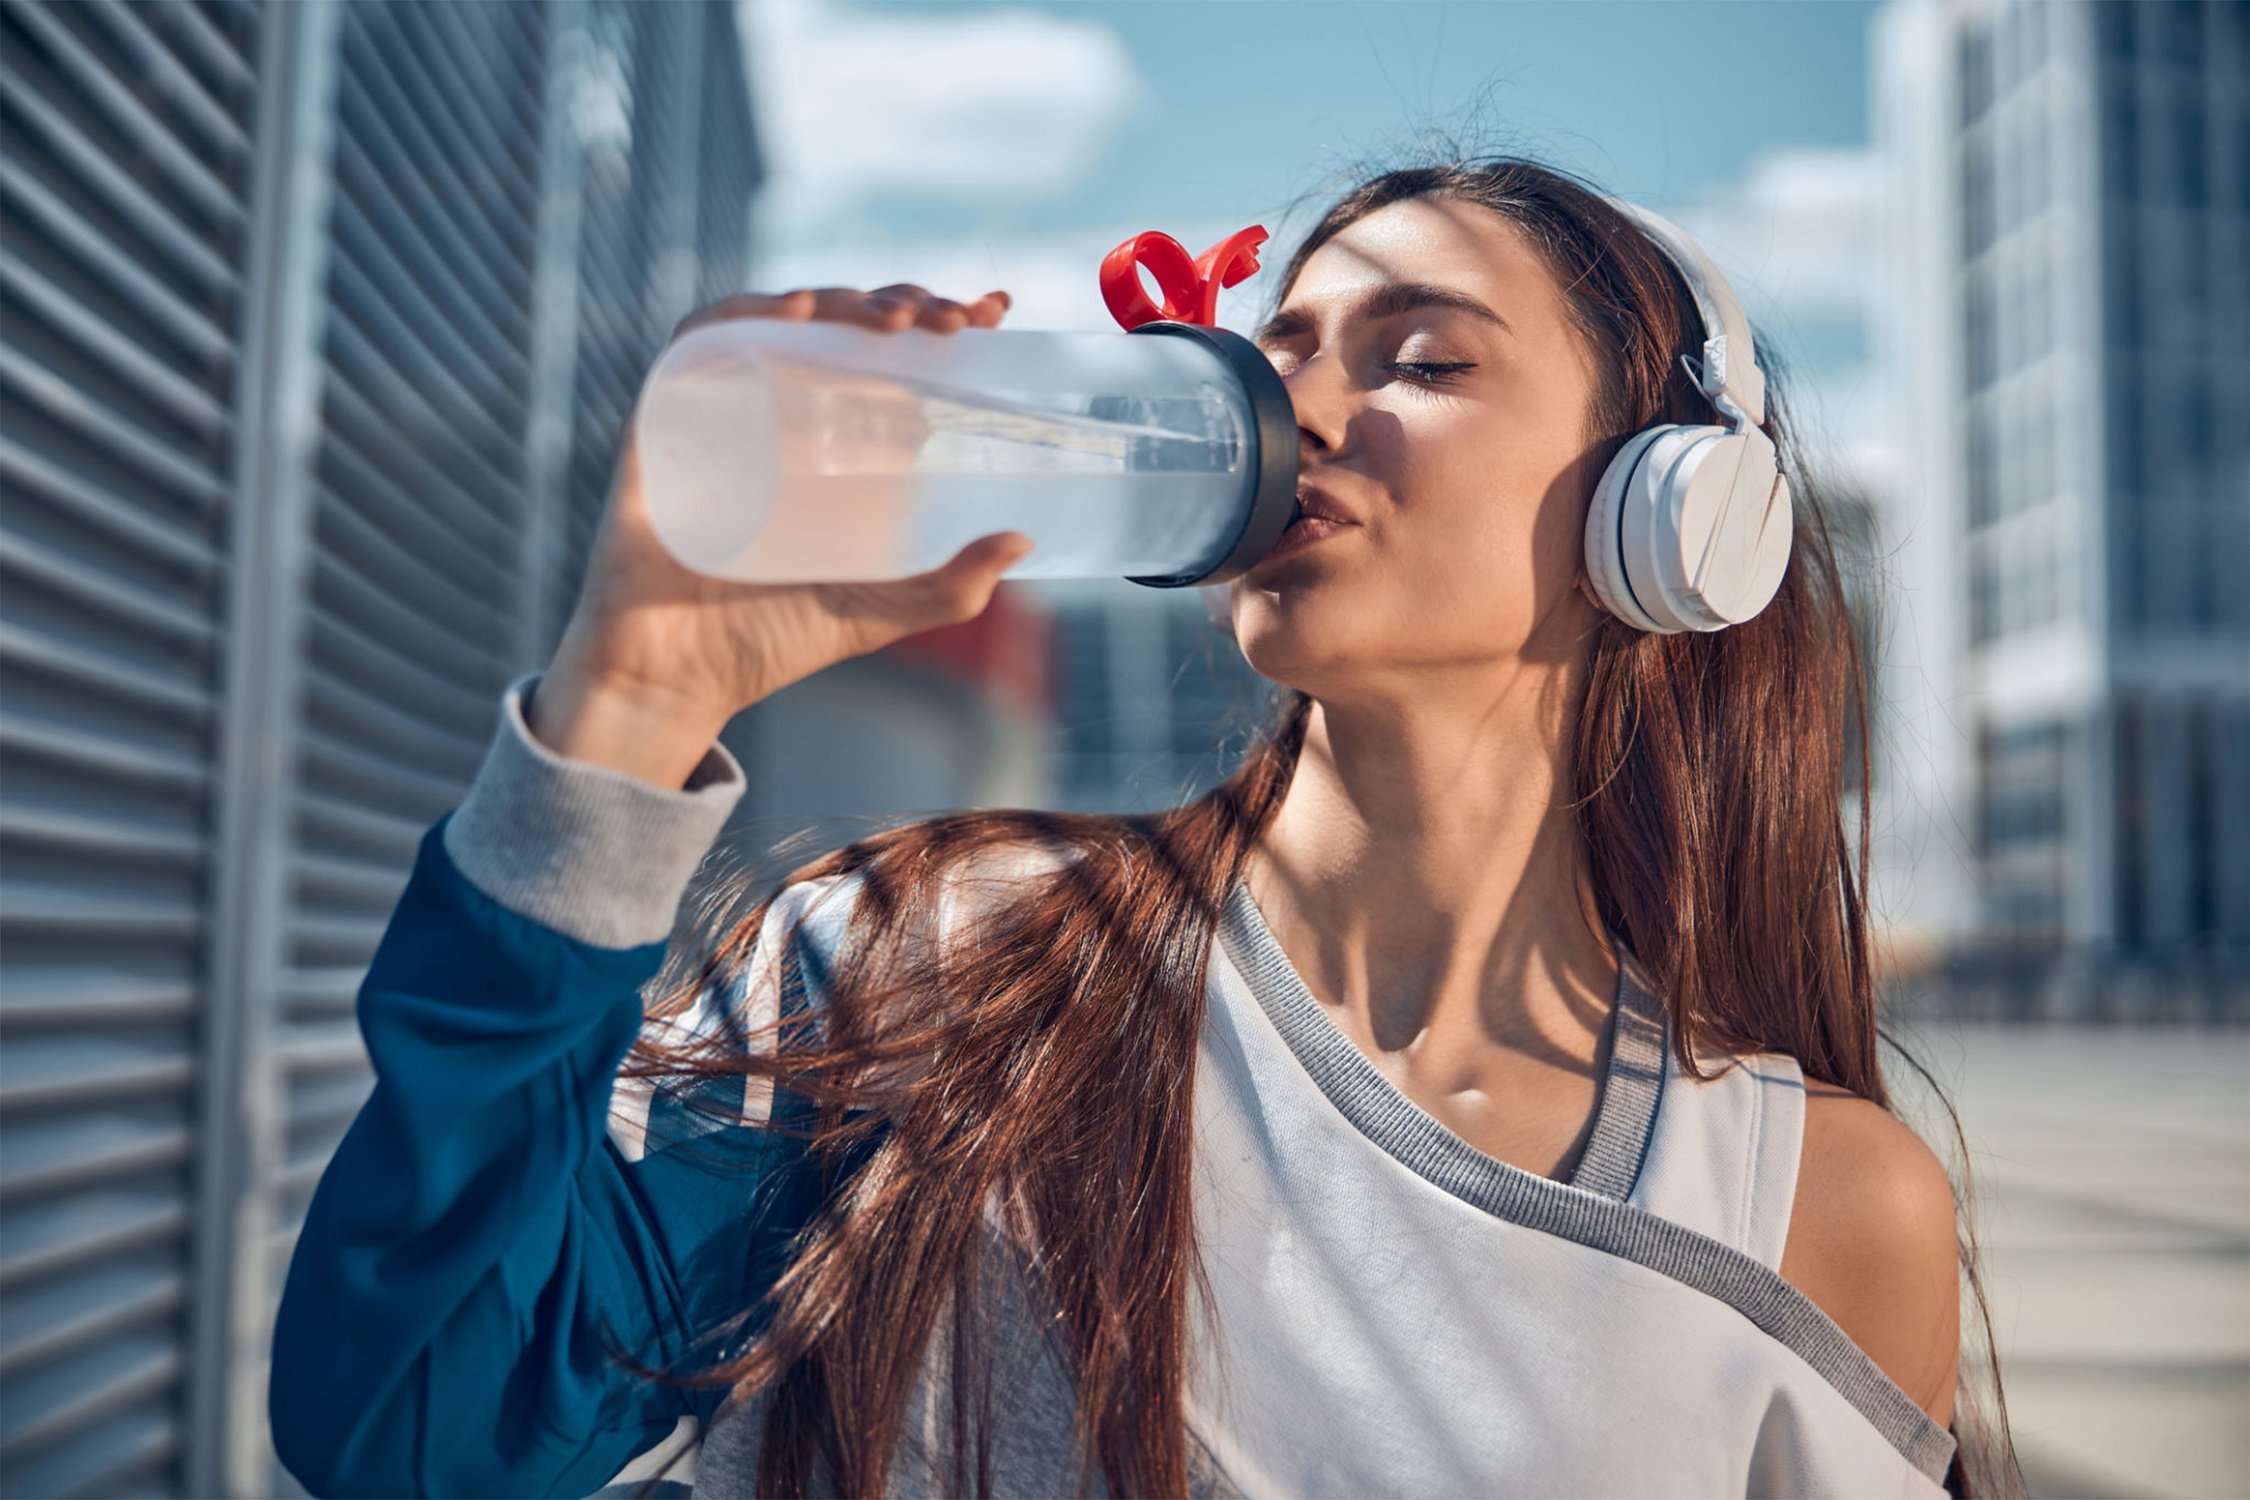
(1442, 395)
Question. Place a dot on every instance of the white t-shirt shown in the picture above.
(1400, 1314)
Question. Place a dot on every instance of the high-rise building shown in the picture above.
(321, 319)
(2070, 330)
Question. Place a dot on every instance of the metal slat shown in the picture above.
(104, 513)
(380, 723)
(444, 208)
(471, 98)
(100, 838)
(104, 596)
(193, 35)
(180, 86)
(124, 683)
(94, 84)
(327, 988)
(110, 1236)
(142, 211)
(100, 424)
(338, 645)
(337, 765)
(338, 879)
(186, 323)
(101, 756)
(186, 401)
(64, 1171)
(116, 1003)
(156, 1372)
(476, 410)
(326, 816)
(406, 575)
(495, 368)
(55, 914)
(370, 195)
(151, 1439)
(472, 664)
(132, 1082)
(402, 506)
(472, 101)
(355, 359)
(332, 935)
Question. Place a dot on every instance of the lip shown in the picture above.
(1318, 504)
(1318, 518)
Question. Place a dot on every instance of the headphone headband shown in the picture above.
(1736, 386)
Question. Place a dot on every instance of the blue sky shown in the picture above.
(969, 145)
(1234, 106)
(1248, 102)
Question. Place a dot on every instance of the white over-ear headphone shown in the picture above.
(1690, 526)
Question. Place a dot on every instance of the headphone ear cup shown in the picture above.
(1705, 528)
(1605, 524)
(1649, 520)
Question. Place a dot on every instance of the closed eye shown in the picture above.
(1431, 373)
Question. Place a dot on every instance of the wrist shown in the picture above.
(646, 731)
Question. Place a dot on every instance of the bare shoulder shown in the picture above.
(1872, 1241)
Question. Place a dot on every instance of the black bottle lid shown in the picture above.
(1272, 456)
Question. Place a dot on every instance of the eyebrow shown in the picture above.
(1386, 301)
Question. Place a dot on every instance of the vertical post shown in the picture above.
(672, 284)
(554, 335)
(277, 410)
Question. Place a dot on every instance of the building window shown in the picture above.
(1984, 500)
(2113, 21)
(2129, 826)
(2190, 143)
(2121, 132)
(2022, 825)
(1978, 207)
(1976, 74)
(2183, 33)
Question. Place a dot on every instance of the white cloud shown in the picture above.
(1798, 238)
(991, 104)
(1799, 234)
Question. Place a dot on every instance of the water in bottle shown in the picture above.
(776, 451)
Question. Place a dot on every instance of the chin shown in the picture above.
(1289, 640)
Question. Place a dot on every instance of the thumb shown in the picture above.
(962, 588)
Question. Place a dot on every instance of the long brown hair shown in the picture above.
(1048, 1061)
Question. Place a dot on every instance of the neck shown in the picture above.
(1425, 872)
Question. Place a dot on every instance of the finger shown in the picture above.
(962, 588)
(943, 315)
(794, 305)
(845, 304)
(989, 309)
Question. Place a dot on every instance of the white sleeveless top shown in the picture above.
(1401, 1314)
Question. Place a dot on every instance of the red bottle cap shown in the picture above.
(1190, 287)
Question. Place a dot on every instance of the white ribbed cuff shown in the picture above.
(593, 853)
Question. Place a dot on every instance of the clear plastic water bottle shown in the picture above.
(777, 451)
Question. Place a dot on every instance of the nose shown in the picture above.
(1315, 395)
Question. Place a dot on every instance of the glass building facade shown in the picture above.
(2083, 177)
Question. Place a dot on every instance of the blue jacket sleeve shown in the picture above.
(479, 1243)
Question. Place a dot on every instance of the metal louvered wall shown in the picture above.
(320, 323)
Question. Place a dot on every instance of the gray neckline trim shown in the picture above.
(1587, 1214)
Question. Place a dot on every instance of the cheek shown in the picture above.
(1492, 528)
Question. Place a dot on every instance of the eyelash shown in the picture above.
(1431, 373)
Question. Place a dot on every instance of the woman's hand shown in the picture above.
(656, 657)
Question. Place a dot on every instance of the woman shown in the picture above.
(1493, 1054)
